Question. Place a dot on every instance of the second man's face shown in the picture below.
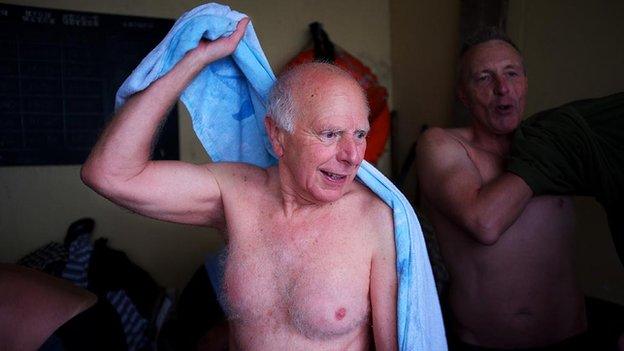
(494, 86)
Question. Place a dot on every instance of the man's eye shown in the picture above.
(512, 74)
(329, 135)
(360, 135)
(482, 78)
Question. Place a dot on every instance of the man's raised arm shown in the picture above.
(119, 166)
(451, 183)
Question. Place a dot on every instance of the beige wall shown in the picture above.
(573, 50)
(37, 204)
(425, 36)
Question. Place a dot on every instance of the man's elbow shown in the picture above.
(487, 232)
(88, 174)
(91, 177)
(95, 177)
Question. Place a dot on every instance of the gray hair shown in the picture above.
(282, 107)
(484, 34)
(480, 36)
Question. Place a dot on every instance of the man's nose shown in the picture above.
(349, 152)
(501, 86)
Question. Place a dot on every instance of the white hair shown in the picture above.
(282, 104)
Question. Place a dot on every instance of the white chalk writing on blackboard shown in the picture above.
(38, 17)
(70, 19)
(138, 24)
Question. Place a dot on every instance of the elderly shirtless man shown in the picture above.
(512, 282)
(311, 260)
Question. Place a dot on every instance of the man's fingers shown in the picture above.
(241, 27)
(224, 46)
(231, 42)
(237, 35)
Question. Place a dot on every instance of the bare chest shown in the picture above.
(315, 285)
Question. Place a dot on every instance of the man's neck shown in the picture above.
(498, 144)
(295, 202)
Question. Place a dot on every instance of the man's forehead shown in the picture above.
(320, 125)
(338, 109)
(492, 52)
(335, 110)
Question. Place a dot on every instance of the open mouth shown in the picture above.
(504, 108)
(333, 176)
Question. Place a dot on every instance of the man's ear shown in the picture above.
(276, 136)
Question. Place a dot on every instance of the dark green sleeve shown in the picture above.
(541, 153)
(577, 148)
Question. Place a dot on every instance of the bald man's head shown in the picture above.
(294, 85)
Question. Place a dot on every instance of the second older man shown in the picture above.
(311, 260)
(509, 254)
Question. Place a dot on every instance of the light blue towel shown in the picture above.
(227, 103)
(222, 100)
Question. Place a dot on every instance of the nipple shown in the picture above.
(341, 313)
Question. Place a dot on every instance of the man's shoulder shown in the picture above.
(437, 145)
(365, 195)
(377, 216)
(436, 137)
(369, 205)
(238, 173)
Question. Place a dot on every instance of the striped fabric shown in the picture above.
(76, 270)
(42, 257)
(133, 324)
(77, 266)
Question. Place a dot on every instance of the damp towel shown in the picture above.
(227, 104)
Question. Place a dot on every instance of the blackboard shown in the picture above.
(59, 72)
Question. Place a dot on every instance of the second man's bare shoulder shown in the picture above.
(438, 146)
